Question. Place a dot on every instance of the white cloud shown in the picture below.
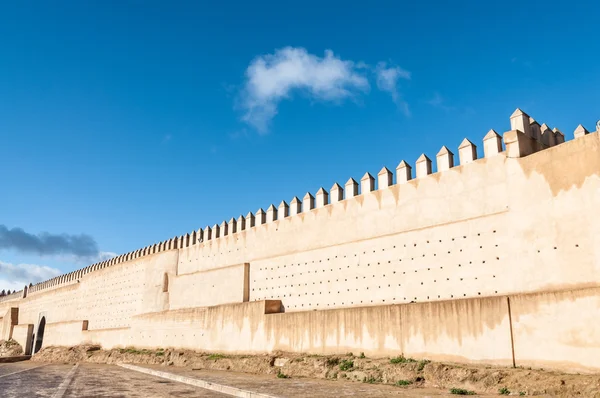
(10, 285)
(387, 80)
(273, 77)
(86, 260)
(437, 101)
(23, 274)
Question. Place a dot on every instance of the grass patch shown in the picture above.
(504, 391)
(461, 391)
(403, 383)
(214, 357)
(372, 380)
(281, 375)
(401, 359)
(346, 365)
(422, 364)
(135, 351)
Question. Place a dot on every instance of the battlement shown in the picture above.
(525, 137)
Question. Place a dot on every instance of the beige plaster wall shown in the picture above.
(212, 287)
(22, 334)
(557, 330)
(493, 228)
(63, 334)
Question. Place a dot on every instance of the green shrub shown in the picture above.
(461, 391)
(215, 357)
(504, 391)
(401, 359)
(422, 364)
(371, 380)
(346, 365)
(280, 375)
(403, 382)
(362, 355)
(160, 353)
(333, 361)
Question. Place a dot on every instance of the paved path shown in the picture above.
(88, 380)
(34, 379)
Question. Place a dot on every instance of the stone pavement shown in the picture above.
(34, 379)
(89, 380)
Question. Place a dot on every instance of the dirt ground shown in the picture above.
(399, 370)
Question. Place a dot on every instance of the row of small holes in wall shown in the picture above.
(365, 277)
(209, 255)
(109, 308)
(358, 265)
(147, 335)
(393, 299)
(481, 280)
(376, 251)
(367, 265)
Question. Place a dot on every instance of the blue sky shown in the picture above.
(134, 121)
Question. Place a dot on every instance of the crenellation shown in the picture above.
(520, 121)
(232, 226)
(271, 214)
(351, 188)
(308, 202)
(492, 144)
(548, 136)
(216, 231)
(260, 217)
(250, 220)
(445, 159)
(207, 233)
(295, 206)
(367, 183)
(337, 193)
(283, 210)
(403, 172)
(241, 223)
(385, 178)
(536, 130)
(580, 131)
(322, 198)
(423, 166)
(223, 229)
(467, 152)
(560, 137)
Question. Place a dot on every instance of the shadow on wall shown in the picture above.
(39, 339)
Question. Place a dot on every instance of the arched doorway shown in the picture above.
(40, 335)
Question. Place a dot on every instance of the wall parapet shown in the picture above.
(526, 137)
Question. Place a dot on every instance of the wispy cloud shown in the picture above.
(273, 77)
(22, 274)
(47, 244)
(387, 80)
(437, 101)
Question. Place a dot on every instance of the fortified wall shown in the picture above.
(493, 259)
